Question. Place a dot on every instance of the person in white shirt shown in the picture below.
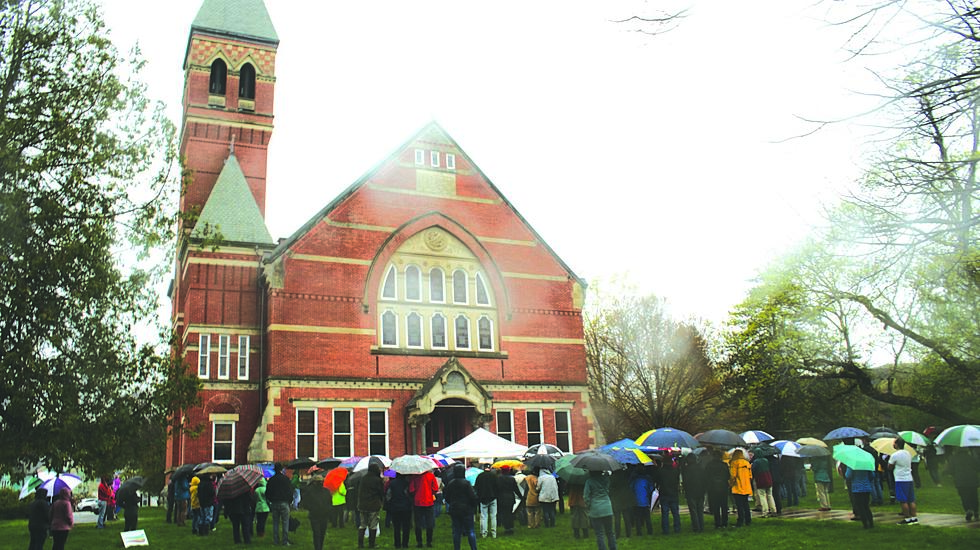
(900, 463)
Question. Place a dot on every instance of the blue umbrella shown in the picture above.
(756, 436)
(472, 473)
(845, 432)
(667, 438)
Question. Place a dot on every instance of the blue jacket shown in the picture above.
(861, 480)
(642, 487)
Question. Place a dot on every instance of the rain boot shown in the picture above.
(360, 539)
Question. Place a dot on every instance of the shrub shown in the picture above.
(11, 507)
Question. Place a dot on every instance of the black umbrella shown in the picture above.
(544, 449)
(764, 450)
(329, 463)
(300, 463)
(595, 461)
(127, 491)
(721, 438)
(185, 470)
(539, 461)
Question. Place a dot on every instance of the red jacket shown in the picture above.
(105, 491)
(424, 488)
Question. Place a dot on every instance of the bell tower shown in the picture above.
(229, 87)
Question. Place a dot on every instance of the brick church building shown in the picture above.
(415, 307)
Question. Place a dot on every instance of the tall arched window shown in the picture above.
(462, 326)
(437, 285)
(219, 77)
(485, 333)
(388, 291)
(459, 287)
(389, 329)
(413, 284)
(439, 331)
(246, 82)
(482, 296)
(414, 333)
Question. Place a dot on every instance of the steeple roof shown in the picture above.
(232, 210)
(236, 18)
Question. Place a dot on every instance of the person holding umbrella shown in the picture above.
(128, 499)
(370, 498)
(316, 499)
(62, 518)
(508, 494)
(900, 463)
(39, 519)
(596, 495)
(716, 477)
(964, 466)
(741, 482)
(861, 481)
(462, 502)
(279, 493)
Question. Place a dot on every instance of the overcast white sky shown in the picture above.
(662, 158)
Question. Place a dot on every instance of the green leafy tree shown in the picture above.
(85, 207)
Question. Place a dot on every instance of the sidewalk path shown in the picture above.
(883, 517)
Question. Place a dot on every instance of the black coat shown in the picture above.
(397, 497)
(279, 488)
(39, 513)
(317, 499)
(461, 498)
(370, 493)
(486, 487)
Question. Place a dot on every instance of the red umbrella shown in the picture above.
(335, 478)
(239, 480)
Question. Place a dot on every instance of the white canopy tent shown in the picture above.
(484, 444)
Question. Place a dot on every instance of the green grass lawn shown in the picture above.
(764, 533)
(938, 500)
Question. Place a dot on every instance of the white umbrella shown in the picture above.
(412, 464)
(965, 435)
(380, 460)
(787, 448)
(756, 436)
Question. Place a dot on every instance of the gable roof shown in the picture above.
(231, 208)
(236, 18)
(428, 131)
(483, 444)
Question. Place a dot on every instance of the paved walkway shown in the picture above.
(884, 516)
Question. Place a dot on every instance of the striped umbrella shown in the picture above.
(350, 462)
(915, 438)
(59, 482)
(239, 480)
(964, 435)
(756, 436)
(787, 448)
(441, 460)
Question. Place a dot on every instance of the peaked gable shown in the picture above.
(419, 170)
(232, 210)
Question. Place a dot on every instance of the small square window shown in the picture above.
(450, 161)
(419, 156)
(434, 159)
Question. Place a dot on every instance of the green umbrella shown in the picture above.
(570, 473)
(915, 438)
(854, 457)
(965, 435)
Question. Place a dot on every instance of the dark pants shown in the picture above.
(695, 505)
(132, 517)
(463, 526)
(505, 514)
(241, 527)
(424, 519)
(401, 521)
(626, 515)
(777, 496)
(605, 537)
(718, 504)
(59, 537)
(862, 508)
(641, 519)
(742, 509)
(318, 524)
(260, 519)
(280, 520)
(337, 515)
(548, 510)
(968, 497)
(670, 506)
(38, 536)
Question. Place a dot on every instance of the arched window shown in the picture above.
(246, 82)
(462, 326)
(219, 77)
(482, 296)
(389, 329)
(388, 291)
(413, 284)
(437, 285)
(414, 332)
(438, 331)
(459, 287)
(485, 330)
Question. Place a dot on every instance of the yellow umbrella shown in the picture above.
(811, 441)
(509, 463)
(886, 446)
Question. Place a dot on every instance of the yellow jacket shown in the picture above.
(741, 474)
(195, 503)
